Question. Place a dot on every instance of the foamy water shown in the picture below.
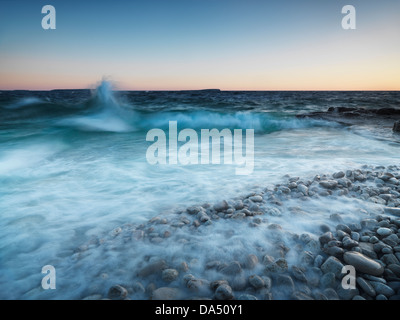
(58, 191)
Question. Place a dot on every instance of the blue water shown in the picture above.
(73, 167)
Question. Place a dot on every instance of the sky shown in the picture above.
(200, 44)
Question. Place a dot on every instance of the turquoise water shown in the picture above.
(73, 167)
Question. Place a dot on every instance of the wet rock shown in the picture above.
(391, 240)
(283, 283)
(332, 265)
(238, 205)
(349, 243)
(224, 292)
(389, 259)
(329, 184)
(298, 274)
(366, 286)
(273, 212)
(346, 294)
(318, 261)
(169, 275)
(339, 175)
(303, 189)
(215, 284)
(373, 239)
(267, 282)
(256, 282)
(198, 285)
(368, 250)
(251, 261)
(306, 258)
(232, 268)
(282, 265)
(395, 268)
(343, 228)
(383, 289)
(326, 237)
(369, 223)
(166, 293)
(138, 288)
(256, 198)
(193, 210)
(393, 211)
(384, 232)
(239, 283)
(117, 292)
(328, 280)
(152, 268)
(330, 294)
(362, 263)
(221, 206)
(334, 251)
(355, 236)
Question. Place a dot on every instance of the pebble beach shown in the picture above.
(282, 264)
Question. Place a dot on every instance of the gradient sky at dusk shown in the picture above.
(197, 44)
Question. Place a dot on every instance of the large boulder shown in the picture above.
(363, 264)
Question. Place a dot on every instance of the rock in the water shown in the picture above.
(256, 282)
(347, 294)
(169, 275)
(298, 274)
(384, 232)
(273, 212)
(366, 287)
(284, 283)
(329, 184)
(303, 189)
(328, 280)
(339, 175)
(326, 237)
(232, 269)
(215, 284)
(382, 288)
(391, 240)
(331, 294)
(393, 211)
(256, 198)
(117, 293)
(389, 259)
(221, 206)
(362, 263)
(224, 292)
(152, 268)
(333, 265)
(165, 293)
(251, 261)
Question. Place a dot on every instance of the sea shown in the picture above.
(73, 168)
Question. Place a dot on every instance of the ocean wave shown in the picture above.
(104, 111)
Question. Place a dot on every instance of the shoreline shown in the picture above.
(287, 265)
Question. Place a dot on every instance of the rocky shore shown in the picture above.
(385, 117)
(283, 265)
